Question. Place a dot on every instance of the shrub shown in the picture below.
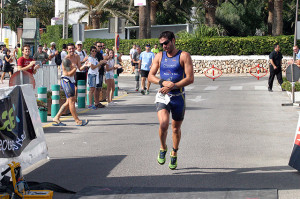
(288, 86)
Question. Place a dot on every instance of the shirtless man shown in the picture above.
(176, 72)
(69, 67)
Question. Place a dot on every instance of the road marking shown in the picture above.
(236, 88)
(211, 88)
(261, 88)
(197, 99)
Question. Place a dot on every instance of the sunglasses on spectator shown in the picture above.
(93, 51)
(165, 43)
(99, 46)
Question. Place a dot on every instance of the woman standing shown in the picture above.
(8, 59)
(109, 76)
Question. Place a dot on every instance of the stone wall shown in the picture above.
(228, 64)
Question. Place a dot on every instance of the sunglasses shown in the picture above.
(99, 46)
(165, 43)
(93, 51)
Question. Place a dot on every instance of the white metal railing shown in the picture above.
(46, 76)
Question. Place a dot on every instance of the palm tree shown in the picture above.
(144, 21)
(153, 9)
(97, 9)
(270, 15)
(277, 26)
(13, 12)
(210, 12)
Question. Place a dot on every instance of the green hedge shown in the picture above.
(257, 45)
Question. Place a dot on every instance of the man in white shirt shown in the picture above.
(80, 75)
(131, 52)
(52, 52)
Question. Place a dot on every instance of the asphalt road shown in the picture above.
(236, 135)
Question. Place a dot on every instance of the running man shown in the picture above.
(146, 59)
(69, 67)
(176, 72)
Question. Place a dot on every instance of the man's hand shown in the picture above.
(168, 84)
(37, 67)
(165, 90)
(32, 63)
(85, 59)
(275, 67)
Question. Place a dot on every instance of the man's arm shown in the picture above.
(155, 66)
(273, 64)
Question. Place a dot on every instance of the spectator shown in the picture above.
(131, 52)
(80, 74)
(8, 59)
(25, 63)
(109, 76)
(100, 76)
(52, 52)
(119, 62)
(136, 61)
(93, 76)
(155, 50)
(1, 58)
(45, 48)
(18, 52)
(40, 56)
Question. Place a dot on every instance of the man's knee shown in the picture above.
(164, 126)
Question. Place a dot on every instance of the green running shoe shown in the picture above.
(173, 162)
(161, 159)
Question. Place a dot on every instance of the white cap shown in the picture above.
(79, 42)
(52, 43)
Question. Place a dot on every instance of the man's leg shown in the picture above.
(73, 109)
(143, 85)
(163, 118)
(271, 79)
(176, 128)
(279, 77)
(60, 112)
(137, 79)
(91, 93)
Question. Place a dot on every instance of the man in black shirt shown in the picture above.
(275, 66)
(101, 74)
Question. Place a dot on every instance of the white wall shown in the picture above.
(73, 18)
(11, 35)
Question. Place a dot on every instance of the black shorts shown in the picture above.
(144, 73)
(7, 69)
(80, 76)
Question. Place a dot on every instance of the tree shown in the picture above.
(42, 9)
(210, 12)
(97, 9)
(270, 15)
(144, 21)
(13, 12)
(153, 10)
(277, 26)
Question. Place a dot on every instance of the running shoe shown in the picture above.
(92, 107)
(137, 89)
(147, 92)
(143, 92)
(161, 159)
(173, 162)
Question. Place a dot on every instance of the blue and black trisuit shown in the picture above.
(171, 70)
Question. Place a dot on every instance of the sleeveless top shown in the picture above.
(171, 70)
(19, 53)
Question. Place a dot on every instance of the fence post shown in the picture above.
(42, 95)
(87, 97)
(81, 94)
(55, 99)
(116, 85)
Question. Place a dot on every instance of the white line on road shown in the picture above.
(211, 88)
(236, 88)
(197, 99)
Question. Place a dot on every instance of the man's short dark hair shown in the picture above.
(18, 45)
(64, 46)
(70, 44)
(275, 45)
(97, 43)
(26, 45)
(40, 46)
(167, 34)
(92, 47)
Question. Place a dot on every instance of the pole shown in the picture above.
(294, 54)
(116, 57)
(65, 22)
(1, 21)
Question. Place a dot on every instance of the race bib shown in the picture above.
(162, 98)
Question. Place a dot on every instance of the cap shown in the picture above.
(52, 44)
(148, 45)
(79, 42)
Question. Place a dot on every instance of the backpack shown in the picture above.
(58, 59)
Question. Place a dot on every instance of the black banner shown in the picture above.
(16, 128)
